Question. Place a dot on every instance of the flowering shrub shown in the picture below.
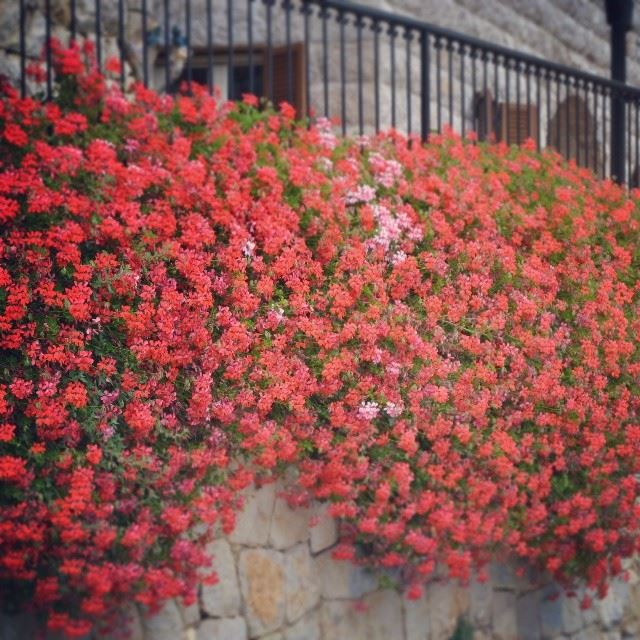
(442, 339)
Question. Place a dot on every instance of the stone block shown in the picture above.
(302, 588)
(340, 619)
(222, 629)
(324, 533)
(610, 610)
(588, 633)
(504, 620)
(383, 612)
(307, 628)
(480, 596)
(165, 625)
(128, 626)
(447, 602)
(504, 575)
(528, 615)
(190, 613)
(262, 580)
(288, 526)
(572, 620)
(559, 613)
(254, 521)
(417, 618)
(343, 579)
(377, 617)
(223, 598)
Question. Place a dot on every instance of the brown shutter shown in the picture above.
(484, 115)
(516, 123)
(281, 76)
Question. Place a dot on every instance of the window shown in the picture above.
(504, 121)
(266, 69)
(572, 133)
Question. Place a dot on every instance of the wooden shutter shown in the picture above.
(484, 115)
(516, 123)
(280, 58)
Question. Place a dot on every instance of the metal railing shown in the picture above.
(368, 68)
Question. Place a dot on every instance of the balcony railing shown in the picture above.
(368, 68)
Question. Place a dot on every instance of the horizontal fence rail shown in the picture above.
(368, 69)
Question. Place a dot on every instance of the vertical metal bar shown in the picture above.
(210, 48)
(538, 109)
(324, 14)
(474, 79)
(450, 73)
(578, 141)
(392, 56)
(585, 113)
(549, 141)
(605, 140)
(167, 47)
(627, 105)
(636, 171)
(145, 46)
(619, 26)
(557, 116)
(567, 122)
(376, 73)
(485, 92)
(360, 81)
(461, 54)
(507, 65)
(121, 40)
(270, 50)
(518, 136)
(408, 36)
(594, 88)
(496, 89)
(47, 44)
(230, 53)
(98, 34)
(252, 70)
(528, 90)
(425, 85)
(187, 28)
(73, 24)
(287, 28)
(307, 88)
(343, 74)
(23, 50)
(438, 46)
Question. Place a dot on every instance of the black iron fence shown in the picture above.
(368, 68)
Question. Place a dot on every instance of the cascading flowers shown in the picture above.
(442, 340)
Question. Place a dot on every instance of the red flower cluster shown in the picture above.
(442, 340)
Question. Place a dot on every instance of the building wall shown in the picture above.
(571, 32)
(279, 581)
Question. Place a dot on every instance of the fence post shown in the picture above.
(425, 85)
(619, 17)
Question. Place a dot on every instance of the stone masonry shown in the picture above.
(277, 580)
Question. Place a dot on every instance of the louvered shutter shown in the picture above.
(280, 58)
(517, 122)
(484, 115)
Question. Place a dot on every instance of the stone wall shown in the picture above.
(279, 581)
